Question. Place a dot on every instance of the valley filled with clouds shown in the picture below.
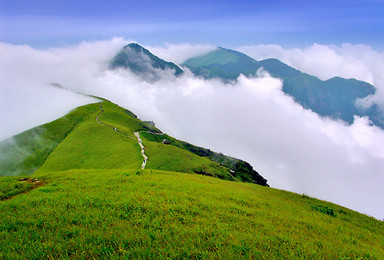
(252, 118)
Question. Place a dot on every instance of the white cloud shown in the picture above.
(253, 119)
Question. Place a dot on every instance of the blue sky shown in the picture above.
(47, 23)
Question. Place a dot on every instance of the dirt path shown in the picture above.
(140, 142)
(101, 112)
(98, 119)
(35, 184)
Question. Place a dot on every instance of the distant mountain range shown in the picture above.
(335, 98)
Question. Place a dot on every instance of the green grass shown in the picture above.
(241, 170)
(171, 158)
(24, 153)
(93, 146)
(124, 120)
(227, 161)
(158, 214)
(11, 186)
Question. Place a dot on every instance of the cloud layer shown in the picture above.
(253, 119)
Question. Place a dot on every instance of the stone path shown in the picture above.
(140, 142)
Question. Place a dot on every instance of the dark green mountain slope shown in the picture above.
(222, 63)
(335, 98)
(142, 62)
(101, 136)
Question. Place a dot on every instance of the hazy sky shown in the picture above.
(294, 23)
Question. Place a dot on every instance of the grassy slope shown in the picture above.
(78, 141)
(157, 214)
(241, 170)
(11, 186)
(203, 152)
(85, 149)
(26, 152)
(94, 146)
(171, 158)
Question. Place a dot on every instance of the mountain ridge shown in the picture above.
(336, 97)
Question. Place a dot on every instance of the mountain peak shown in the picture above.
(134, 45)
(143, 63)
(222, 63)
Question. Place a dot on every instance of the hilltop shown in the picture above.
(102, 136)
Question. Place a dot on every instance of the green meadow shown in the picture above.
(161, 214)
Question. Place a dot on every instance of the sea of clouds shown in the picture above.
(251, 119)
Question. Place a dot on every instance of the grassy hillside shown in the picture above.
(171, 158)
(239, 169)
(159, 214)
(101, 136)
(26, 152)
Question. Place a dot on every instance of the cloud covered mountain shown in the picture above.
(336, 98)
(143, 63)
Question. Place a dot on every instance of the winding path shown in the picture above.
(137, 134)
(140, 142)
